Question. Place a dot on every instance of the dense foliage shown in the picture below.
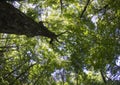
(87, 53)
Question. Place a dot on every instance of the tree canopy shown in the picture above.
(59, 42)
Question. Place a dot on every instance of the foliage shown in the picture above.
(90, 43)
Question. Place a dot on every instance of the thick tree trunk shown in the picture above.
(13, 21)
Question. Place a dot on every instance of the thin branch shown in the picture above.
(61, 5)
(103, 77)
(61, 33)
(88, 1)
(15, 69)
(105, 7)
(26, 70)
(56, 38)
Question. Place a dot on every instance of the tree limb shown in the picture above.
(88, 1)
(13, 21)
(61, 5)
(103, 77)
(26, 70)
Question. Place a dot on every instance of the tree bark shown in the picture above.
(13, 21)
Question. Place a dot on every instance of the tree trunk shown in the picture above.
(13, 21)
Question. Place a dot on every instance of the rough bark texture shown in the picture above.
(13, 21)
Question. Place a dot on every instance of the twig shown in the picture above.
(56, 38)
(61, 5)
(103, 77)
(61, 33)
(26, 70)
(88, 1)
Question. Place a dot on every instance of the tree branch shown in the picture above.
(26, 70)
(61, 5)
(88, 1)
(8, 74)
(103, 77)
(13, 21)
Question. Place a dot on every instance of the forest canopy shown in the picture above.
(59, 42)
